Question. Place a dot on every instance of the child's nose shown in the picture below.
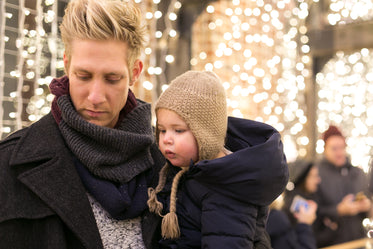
(167, 138)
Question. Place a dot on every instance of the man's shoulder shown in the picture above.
(358, 171)
(13, 137)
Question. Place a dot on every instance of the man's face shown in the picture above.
(100, 79)
(335, 150)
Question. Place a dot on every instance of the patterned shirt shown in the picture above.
(117, 234)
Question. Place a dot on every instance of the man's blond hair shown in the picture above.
(104, 20)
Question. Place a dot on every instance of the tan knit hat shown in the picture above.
(199, 98)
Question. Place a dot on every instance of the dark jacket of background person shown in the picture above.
(298, 170)
(336, 183)
(41, 193)
(370, 177)
(228, 197)
(285, 235)
(286, 231)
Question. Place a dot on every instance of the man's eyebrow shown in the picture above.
(79, 69)
(115, 73)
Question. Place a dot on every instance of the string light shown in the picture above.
(344, 12)
(30, 99)
(259, 49)
(346, 100)
(3, 40)
(258, 54)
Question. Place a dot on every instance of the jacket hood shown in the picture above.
(256, 172)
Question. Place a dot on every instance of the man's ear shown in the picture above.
(66, 63)
(136, 71)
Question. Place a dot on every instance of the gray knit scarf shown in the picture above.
(113, 154)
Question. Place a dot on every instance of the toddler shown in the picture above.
(221, 173)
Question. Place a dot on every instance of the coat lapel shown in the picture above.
(45, 166)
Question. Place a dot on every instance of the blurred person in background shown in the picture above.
(341, 197)
(291, 217)
(304, 181)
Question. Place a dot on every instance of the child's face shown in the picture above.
(176, 141)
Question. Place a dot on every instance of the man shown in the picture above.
(341, 203)
(78, 177)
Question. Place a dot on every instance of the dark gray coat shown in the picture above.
(336, 183)
(43, 203)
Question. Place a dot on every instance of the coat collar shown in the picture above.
(45, 166)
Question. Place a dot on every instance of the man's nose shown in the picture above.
(97, 92)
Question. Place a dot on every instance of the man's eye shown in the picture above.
(113, 79)
(83, 77)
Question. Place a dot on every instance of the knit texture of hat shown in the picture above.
(199, 98)
(332, 131)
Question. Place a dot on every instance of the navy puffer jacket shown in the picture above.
(223, 203)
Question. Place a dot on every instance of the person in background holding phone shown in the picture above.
(290, 219)
(341, 199)
(303, 182)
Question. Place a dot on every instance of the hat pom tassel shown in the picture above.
(170, 226)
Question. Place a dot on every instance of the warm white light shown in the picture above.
(149, 15)
(158, 70)
(147, 85)
(177, 5)
(172, 33)
(210, 9)
(158, 14)
(148, 51)
(158, 34)
(172, 16)
(170, 58)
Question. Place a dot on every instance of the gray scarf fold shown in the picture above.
(113, 154)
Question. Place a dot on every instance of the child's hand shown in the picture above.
(307, 215)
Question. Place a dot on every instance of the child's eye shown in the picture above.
(179, 131)
(162, 131)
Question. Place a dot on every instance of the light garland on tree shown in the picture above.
(157, 53)
(346, 87)
(260, 50)
(37, 49)
(348, 11)
(39, 59)
(346, 100)
(2, 66)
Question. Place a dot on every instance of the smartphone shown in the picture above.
(360, 196)
(298, 202)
